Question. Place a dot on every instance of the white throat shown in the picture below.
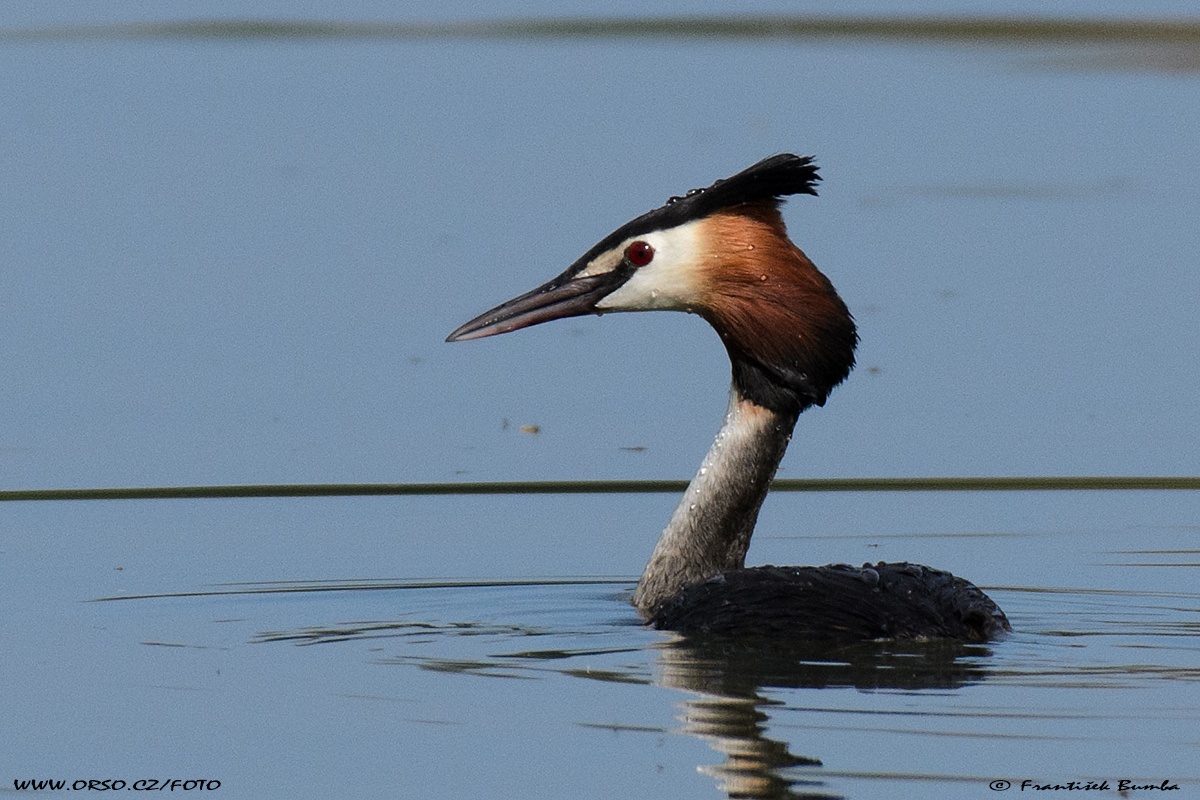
(711, 527)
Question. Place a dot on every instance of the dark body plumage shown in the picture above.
(874, 601)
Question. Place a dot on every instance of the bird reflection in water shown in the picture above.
(731, 712)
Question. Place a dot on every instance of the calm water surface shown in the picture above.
(232, 256)
(497, 677)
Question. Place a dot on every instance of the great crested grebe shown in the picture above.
(723, 253)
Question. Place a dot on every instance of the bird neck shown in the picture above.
(711, 527)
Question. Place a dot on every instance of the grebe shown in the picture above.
(723, 252)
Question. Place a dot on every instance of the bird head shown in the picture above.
(721, 252)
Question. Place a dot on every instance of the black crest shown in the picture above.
(770, 179)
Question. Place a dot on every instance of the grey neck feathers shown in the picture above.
(711, 527)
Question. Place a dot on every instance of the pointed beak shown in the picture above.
(565, 296)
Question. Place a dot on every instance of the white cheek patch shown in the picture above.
(670, 281)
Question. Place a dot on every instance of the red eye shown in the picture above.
(639, 254)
